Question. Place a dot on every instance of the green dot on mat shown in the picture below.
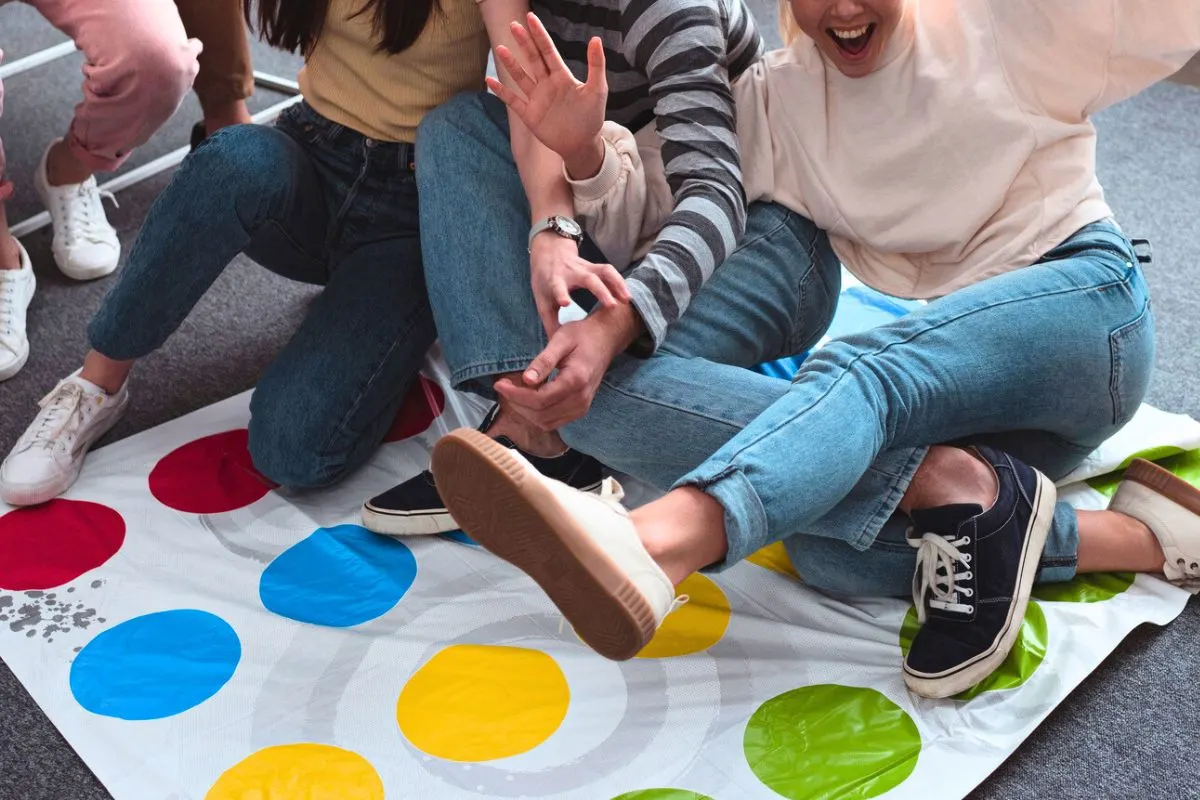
(1085, 588)
(1184, 465)
(663, 794)
(828, 741)
(1022, 662)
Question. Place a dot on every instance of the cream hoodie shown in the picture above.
(969, 152)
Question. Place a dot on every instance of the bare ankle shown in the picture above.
(10, 253)
(63, 168)
(950, 475)
(544, 444)
(683, 531)
(109, 374)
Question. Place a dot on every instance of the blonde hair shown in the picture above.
(788, 29)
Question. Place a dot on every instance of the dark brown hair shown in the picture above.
(296, 25)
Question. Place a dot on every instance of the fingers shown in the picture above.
(548, 407)
(508, 97)
(546, 49)
(548, 360)
(516, 69)
(599, 290)
(548, 313)
(597, 79)
(615, 281)
(531, 56)
(562, 293)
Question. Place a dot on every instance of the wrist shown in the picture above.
(621, 325)
(550, 243)
(586, 162)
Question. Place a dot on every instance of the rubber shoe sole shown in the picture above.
(410, 523)
(973, 672)
(515, 516)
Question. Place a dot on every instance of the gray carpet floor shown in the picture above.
(1130, 730)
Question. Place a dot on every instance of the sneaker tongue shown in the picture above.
(943, 520)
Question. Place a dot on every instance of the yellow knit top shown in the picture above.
(348, 80)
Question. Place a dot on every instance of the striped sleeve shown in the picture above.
(685, 48)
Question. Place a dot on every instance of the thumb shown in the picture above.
(597, 76)
(546, 361)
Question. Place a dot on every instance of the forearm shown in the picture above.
(541, 171)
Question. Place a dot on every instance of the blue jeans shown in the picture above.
(477, 263)
(1045, 362)
(318, 203)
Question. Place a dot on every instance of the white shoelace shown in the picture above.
(62, 412)
(938, 560)
(9, 337)
(84, 219)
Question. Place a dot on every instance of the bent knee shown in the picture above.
(152, 71)
(289, 451)
(464, 118)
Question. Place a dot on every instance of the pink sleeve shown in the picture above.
(1072, 58)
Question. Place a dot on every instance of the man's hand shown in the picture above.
(556, 270)
(581, 352)
(564, 114)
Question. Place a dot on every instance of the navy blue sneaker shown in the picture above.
(415, 507)
(975, 569)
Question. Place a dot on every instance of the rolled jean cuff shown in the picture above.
(1060, 557)
(861, 515)
(746, 529)
(479, 378)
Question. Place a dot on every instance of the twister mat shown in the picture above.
(196, 634)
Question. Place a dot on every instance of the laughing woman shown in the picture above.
(940, 149)
(327, 196)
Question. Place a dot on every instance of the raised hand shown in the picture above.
(564, 114)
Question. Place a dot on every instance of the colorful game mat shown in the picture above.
(196, 634)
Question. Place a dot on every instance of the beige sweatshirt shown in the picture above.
(968, 153)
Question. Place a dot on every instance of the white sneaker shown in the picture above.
(85, 246)
(47, 458)
(1170, 508)
(16, 291)
(581, 548)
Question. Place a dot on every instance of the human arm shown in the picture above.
(684, 54)
(601, 161)
(555, 265)
(1073, 58)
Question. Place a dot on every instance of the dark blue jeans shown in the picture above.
(318, 203)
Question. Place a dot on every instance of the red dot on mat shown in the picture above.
(417, 414)
(48, 545)
(209, 475)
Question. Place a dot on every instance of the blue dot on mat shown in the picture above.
(156, 665)
(460, 537)
(338, 577)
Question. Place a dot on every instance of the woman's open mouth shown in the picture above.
(852, 42)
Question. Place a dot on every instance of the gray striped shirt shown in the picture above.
(671, 61)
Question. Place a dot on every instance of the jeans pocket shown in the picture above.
(1132, 347)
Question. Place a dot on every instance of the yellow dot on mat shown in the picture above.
(480, 702)
(697, 625)
(299, 772)
(775, 558)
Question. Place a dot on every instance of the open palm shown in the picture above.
(564, 114)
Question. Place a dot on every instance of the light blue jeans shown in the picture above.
(1044, 362)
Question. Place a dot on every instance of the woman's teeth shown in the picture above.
(852, 33)
(852, 41)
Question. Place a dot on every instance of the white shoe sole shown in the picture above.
(27, 494)
(77, 274)
(971, 673)
(515, 516)
(413, 523)
(12, 369)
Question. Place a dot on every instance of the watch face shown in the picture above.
(568, 226)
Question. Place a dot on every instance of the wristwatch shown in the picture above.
(563, 226)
